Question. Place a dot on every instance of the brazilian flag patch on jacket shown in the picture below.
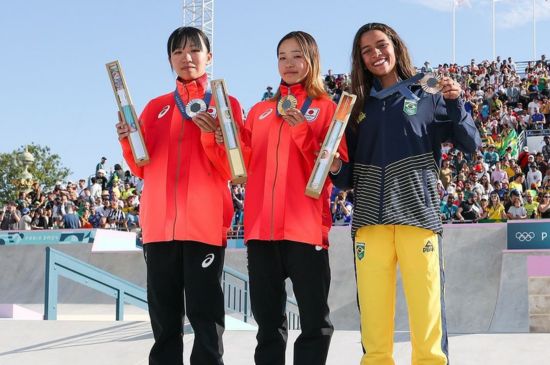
(360, 250)
(410, 106)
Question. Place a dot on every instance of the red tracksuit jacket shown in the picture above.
(185, 197)
(281, 159)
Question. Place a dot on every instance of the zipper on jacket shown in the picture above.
(275, 182)
(177, 179)
(180, 138)
(383, 167)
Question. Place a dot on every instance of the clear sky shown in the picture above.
(54, 88)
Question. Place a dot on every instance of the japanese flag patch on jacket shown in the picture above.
(311, 114)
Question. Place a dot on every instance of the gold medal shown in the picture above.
(430, 83)
(286, 103)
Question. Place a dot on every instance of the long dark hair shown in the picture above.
(362, 79)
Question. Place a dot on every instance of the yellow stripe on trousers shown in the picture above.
(378, 250)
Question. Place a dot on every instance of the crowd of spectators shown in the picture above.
(108, 201)
(502, 180)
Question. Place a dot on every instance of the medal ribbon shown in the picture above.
(181, 104)
(401, 87)
(303, 109)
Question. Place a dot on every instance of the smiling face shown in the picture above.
(292, 64)
(378, 55)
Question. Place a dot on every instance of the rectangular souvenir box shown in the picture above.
(230, 131)
(330, 145)
(124, 102)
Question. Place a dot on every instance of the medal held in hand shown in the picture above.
(286, 103)
(194, 107)
(330, 145)
(430, 83)
(229, 131)
(126, 108)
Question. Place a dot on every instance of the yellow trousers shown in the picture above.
(378, 250)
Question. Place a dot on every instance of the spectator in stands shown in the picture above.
(517, 210)
(545, 108)
(446, 173)
(531, 205)
(498, 174)
(177, 230)
(11, 217)
(546, 148)
(116, 216)
(268, 93)
(448, 209)
(238, 204)
(459, 161)
(81, 187)
(495, 209)
(132, 218)
(484, 182)
(484, 206)
(341, 209)
(101, 165)
(534, 176)
(101, 179)
(85, 220)
(25, 221)
(542, 165)
(96, 188)
(530, 160)
(427, 67)
(490, 157)
(544, 206)
(469, 210)
(517, 182)
(330, 80)
(39, 220)
(459, 197)
(533, 106)
(94, 217)
(538, 120)
(71, 219)
(510, 169)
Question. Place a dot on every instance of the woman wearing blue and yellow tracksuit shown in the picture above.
(394, 141)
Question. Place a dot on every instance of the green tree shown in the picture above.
(46, 169)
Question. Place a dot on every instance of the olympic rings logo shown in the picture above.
(525, 236)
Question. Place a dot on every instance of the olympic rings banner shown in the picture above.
(528, 235)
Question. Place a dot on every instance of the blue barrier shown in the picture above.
(235, 287)
(237, 298)
(60, 264)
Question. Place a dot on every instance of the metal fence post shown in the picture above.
(50, 300)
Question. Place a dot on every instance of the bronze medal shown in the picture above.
(430, 83)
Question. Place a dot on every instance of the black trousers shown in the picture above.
(193, 268)
(269, 264)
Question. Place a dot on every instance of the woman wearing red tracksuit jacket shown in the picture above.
(186, 207)
(286, 231)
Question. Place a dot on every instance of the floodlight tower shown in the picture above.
(200, 14)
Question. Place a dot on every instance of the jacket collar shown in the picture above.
(298, 90)
(192, 89)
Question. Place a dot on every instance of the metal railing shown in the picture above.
(235, 286)
(60, 264)
(237, 298)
